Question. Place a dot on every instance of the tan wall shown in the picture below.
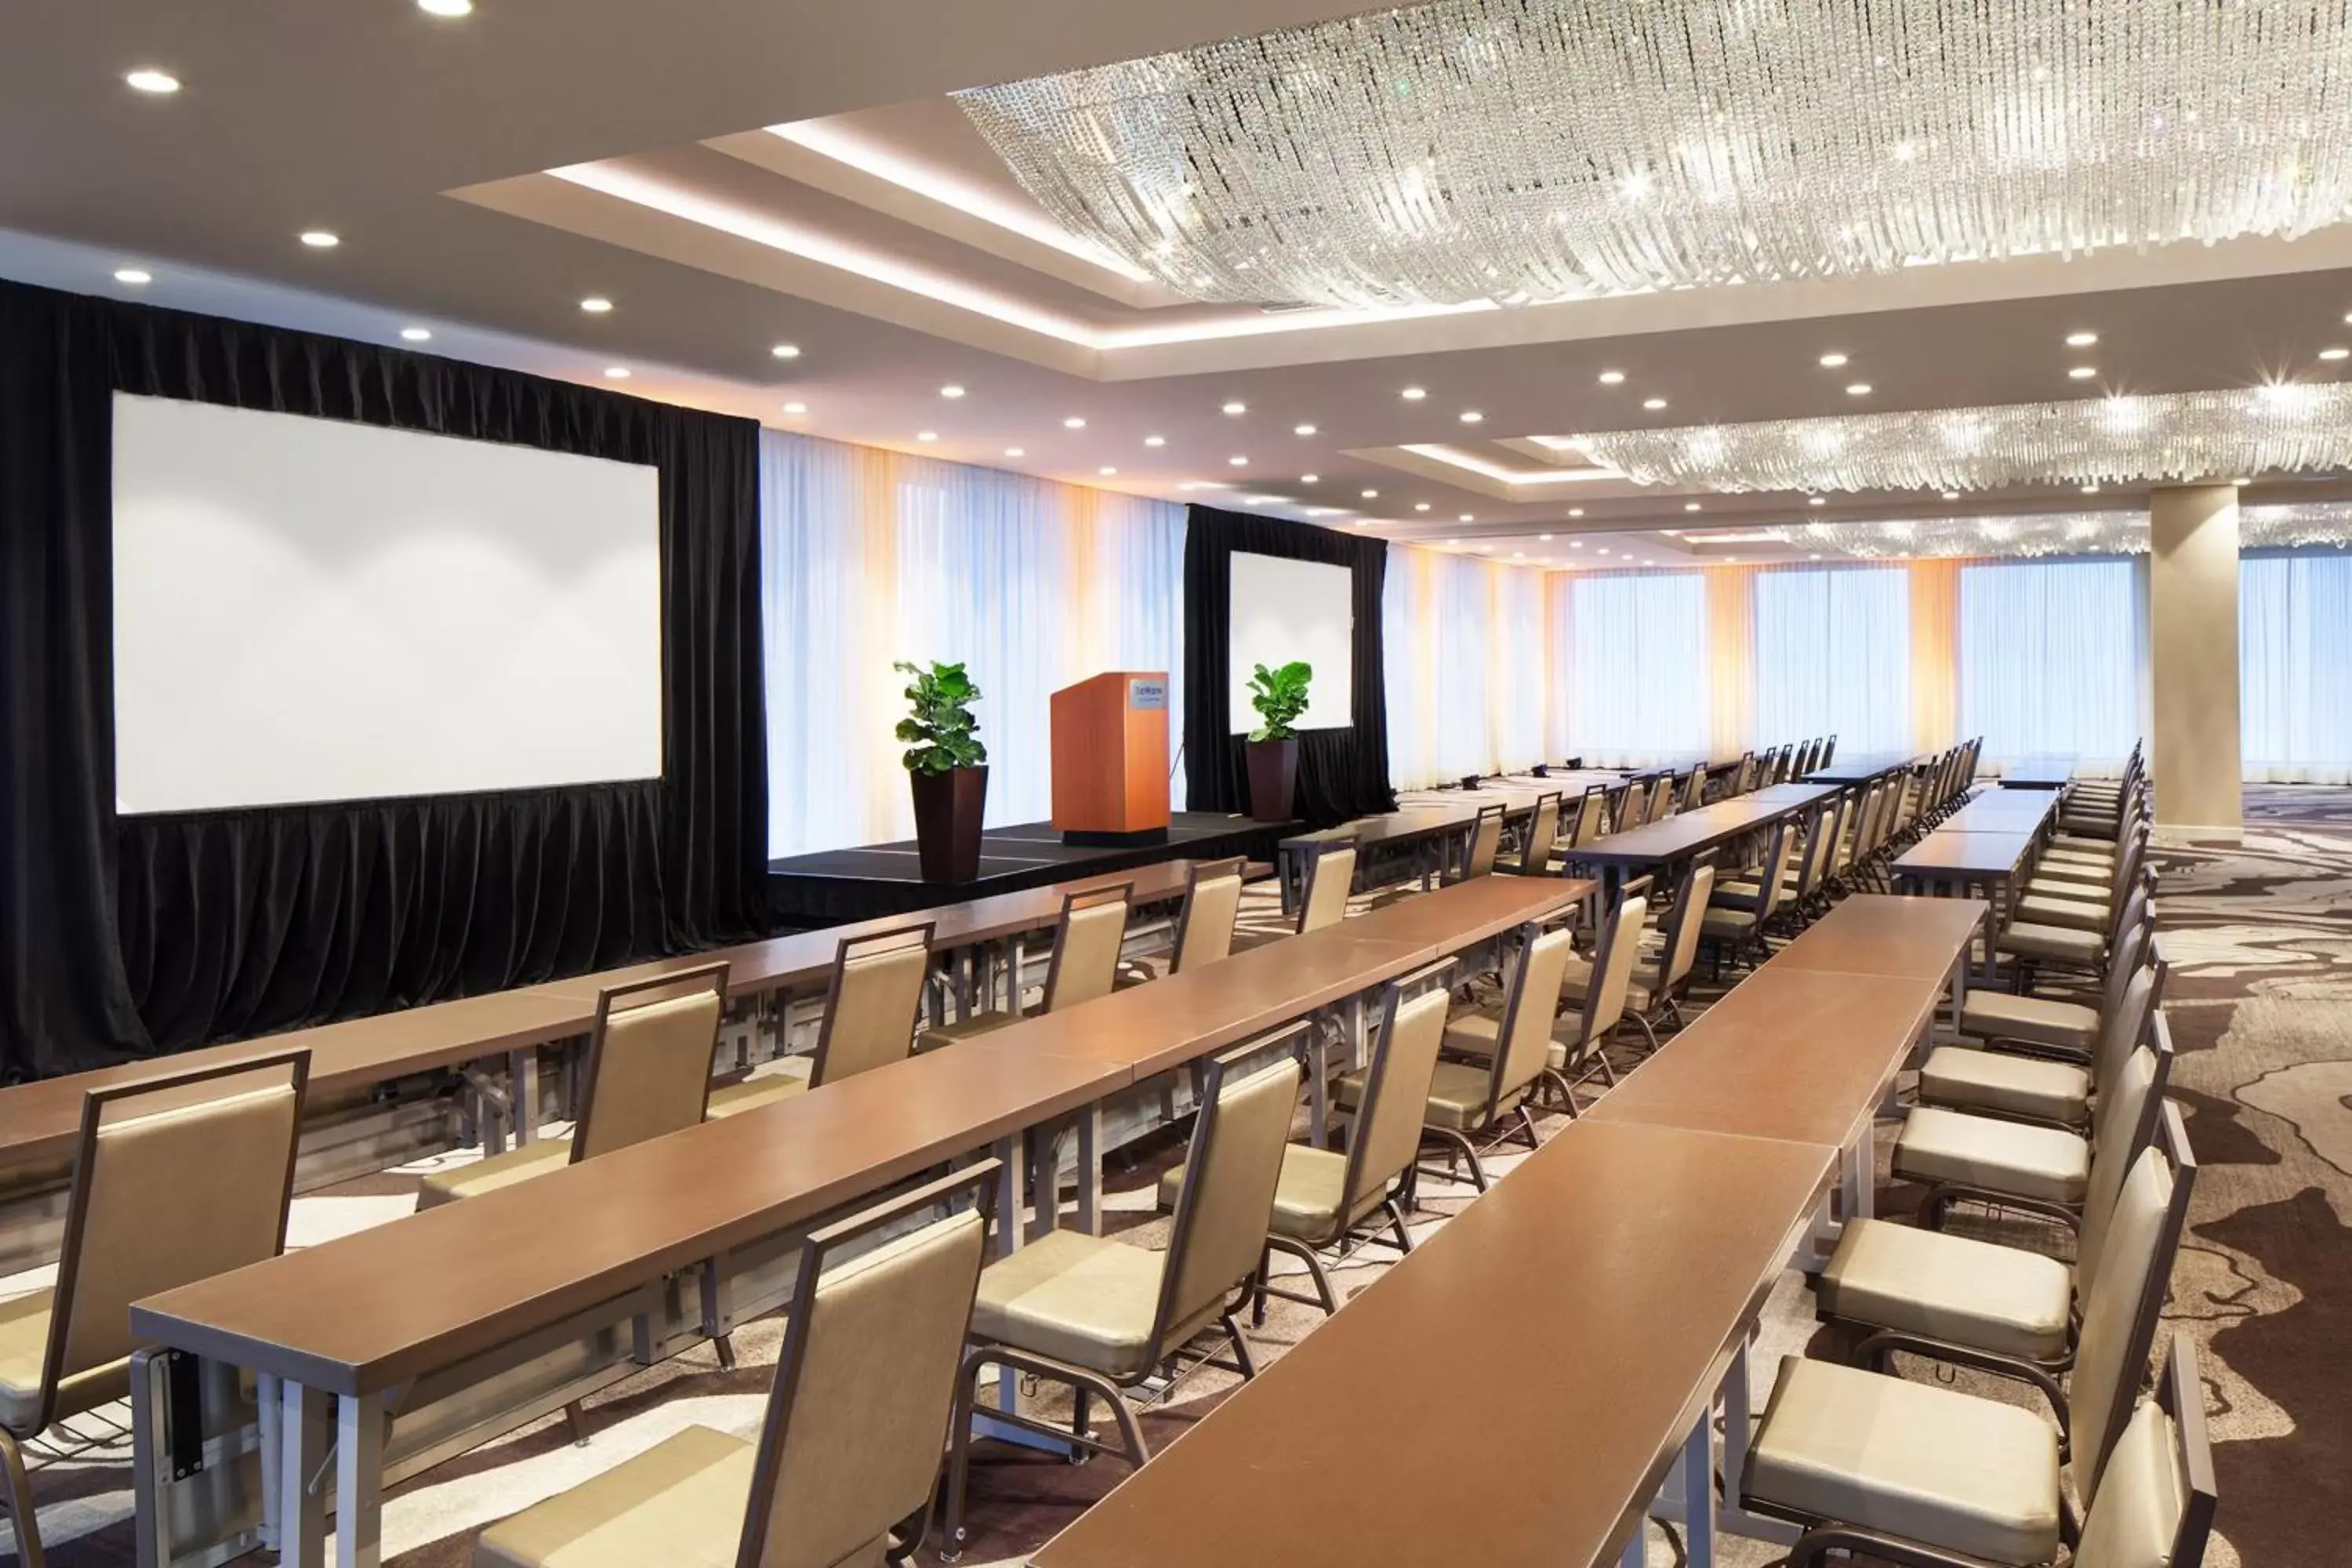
(2193, 654)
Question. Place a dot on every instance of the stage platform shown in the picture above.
(879, 879)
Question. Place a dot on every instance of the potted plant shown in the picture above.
(1279, 695)
(947, 767)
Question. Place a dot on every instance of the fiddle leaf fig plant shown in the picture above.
(941, 726)
(1279, 695)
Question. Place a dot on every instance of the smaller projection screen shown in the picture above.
(1281, 610)
(310, 610)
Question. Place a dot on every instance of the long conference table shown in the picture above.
(579, 1269)
(1986, 849)
(1546, 1366)
(1670, 841)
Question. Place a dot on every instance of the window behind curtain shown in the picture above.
(1636, 666)
(1463, 650)
(1834, 658)
(2295, 666)
(2050, 658)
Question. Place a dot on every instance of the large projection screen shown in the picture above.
(309, 610)
(1282, 609)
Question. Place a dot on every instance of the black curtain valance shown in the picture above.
(127, 937)
(1341, 772)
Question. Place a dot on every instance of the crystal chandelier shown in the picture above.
(2306, 525)
(1511, 151)
(2171, 438)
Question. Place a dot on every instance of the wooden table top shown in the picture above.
(1511, 1393)
(368, 1311)
(2053, 770)
(1790, 1053)
(1687, 833)
(1958, 854)
(2004, 811)
(1393, 826)
(1872, 934)
(1864, 766)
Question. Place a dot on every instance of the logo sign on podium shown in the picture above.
(1148, 694)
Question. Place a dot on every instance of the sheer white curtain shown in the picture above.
(2051, 655)
(1462, 645)
(1833, 657)
(868, 557)
(1636, 666)
(2295, 666)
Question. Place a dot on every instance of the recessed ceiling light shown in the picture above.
(952, 390)
(1731, 560)
(1467, 517)
(1576, 511)
(926, 435)
(1155, 440)
(447, 7)
(616, 373)
(1654, 404)
(1817, 558)
(2090, 489)
(1832, 361)
(1486, 550)
(781, 351)
(1372, 495)
(1238, 462)
(1303, 430)
(1074, 423)
(1310, 479)
(320, 239)
(416, 335)
(1471, 416)
(1611, 377)
(1816, 500)
(1545, 537)
(2082, 373)
(1237, 409)
(1576, 544)
(133, 274)
(1859, 389)
(2081, 340)
(1518, 555)
(1105, 472)
(1951, 495)
(1016, 451)
(1414, 394)
(1690, 506)
(1603, 550)
(796, 409)
(1452, 542)
(596, 304)
(1420, 506)
(147, 79)
(2336, 353)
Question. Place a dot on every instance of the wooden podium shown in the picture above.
(1110, 759)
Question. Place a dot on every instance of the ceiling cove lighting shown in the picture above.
(2286, 427)
(1438, 176)
(1454, 457)
(148, 79)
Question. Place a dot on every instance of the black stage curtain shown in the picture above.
(128, 937)
(1341, 772)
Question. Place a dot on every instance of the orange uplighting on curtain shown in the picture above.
(1934, 653)
(1731, 659)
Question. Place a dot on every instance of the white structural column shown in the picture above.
(2193, 652)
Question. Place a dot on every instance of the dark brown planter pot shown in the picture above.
(947, 809)
(1274, 779)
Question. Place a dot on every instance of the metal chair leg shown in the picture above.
(1324, 1295)
(576, 1418)
(1396, 1226)
(1528, 1127)
(1240, 1348)
(20, 1503)
(726, 1344)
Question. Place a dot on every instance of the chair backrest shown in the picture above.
(1085, 948)
(1745, 779)
(1662, 798)
(2122, 1304)
(1227, 1202)
(1632, 804)
(2155, 1502)
(1523, 1037)
(1329, 876)
(1543, 832)
(1387, 1134)
(2124, 1124)
(1694, 788)
(2133, 988)
(1682, 933)
(648, 1071)
(1204, 926)
(1776, 870)
(1819, 841)
(866, 1380)
(1591, 814)
(1612, 971)
(870, 1007)
(175, 1178)
(1485, 841)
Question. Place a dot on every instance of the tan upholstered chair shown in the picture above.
(1510, 1047)
(1534, 857)
(1100, 1316)
(1633, 803)
(175, 1178)
(2089, 906)
(2021, 1079)
(1485, 843)
(1739, 932)
(1662, 797)
(1203, 931)
(1329, 877)
(1084, 964)
(848, 1456)
(1592, 816)
(1915, 1473)
(1903, 1281)
(648, 1075)
(2032, 945)
(1660, 979)
(1808, 868)
(871, 1004)
(1324, 1198)
(1694, 788)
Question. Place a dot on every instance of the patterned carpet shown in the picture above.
(2261, 1004)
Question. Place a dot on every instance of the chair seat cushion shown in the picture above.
(1306, 1196)
(1722, 923)
(1999, 1298)
(471, 1181)
(2041, 908)
(771, 1088)
(681, 1501)
(1473, 1033)
(2028, 940)
(2043, 1162)
(1076, 1298)
(1457, 1092)
(1998, 1016)
(1928, 1464)
(1968, 1079)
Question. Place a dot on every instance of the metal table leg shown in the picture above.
(359, 1481)
(302, 1435)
